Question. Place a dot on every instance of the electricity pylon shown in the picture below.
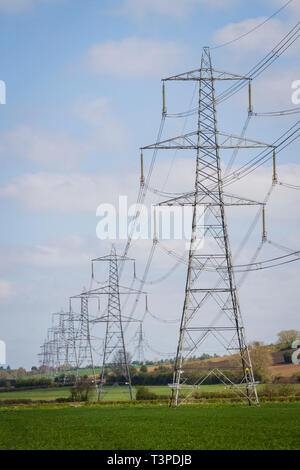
(139, 338)
(114, 350)
(45, 354)
(59, 350)
(84, 351)
(211, 310)
(50, 356)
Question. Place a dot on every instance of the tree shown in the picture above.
(144, 368)
(143, 393)
(34, 370)
(260, 358)
(21, 372)
(286, 337)
(206, 356)
(162, 369)
(118, 365)
(44, 370)
(4, 374)
(287, 356)
(81, 390)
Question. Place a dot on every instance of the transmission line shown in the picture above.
(253, 29)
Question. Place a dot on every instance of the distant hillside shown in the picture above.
(277, 366)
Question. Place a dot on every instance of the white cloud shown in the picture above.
(173, 8)
(72, 192)
(61, 252)
(293, 7)
(273, 91)
(135, 57)
(283, 204)
(264, 38)
(77, 192)
(259, 34)
(6, 289)
(55, 151)
(97, 113)
(93, 111)
(17, 6)
(60, 151)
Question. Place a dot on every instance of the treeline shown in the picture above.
(41, 382)
(165, 377)
(26, 383)
(142, 378)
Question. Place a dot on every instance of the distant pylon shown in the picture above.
(114, 349)
(84, 349)
(140, 347)
(114, 343)
(58, 351)
(44, 355)
(211, 296)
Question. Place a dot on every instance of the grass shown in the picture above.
(271, 426)
(111, 393)
(38, 394)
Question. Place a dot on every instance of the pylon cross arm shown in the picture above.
(190, 141)
(199, 74)
(228, 200)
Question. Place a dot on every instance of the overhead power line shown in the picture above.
(284, 112)
(280, 48)
(255, 28)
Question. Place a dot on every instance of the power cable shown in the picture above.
(253, 29)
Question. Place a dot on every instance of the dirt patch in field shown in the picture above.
(286, 370)
(277, 358)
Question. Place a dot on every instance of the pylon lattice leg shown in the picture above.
(114, 344)
(211, 307)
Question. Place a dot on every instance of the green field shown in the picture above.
(110, 393)
(271, 426)
(119, 393)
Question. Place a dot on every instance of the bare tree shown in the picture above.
(120, 362)
(288, 336)
(260, 357)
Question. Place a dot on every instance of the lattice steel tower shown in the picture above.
(59, 350)
(114, 344)
(211, 308)
(139, 337)
(84, 348)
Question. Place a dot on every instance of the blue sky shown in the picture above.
(83, 94)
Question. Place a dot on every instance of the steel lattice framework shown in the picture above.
(58, 352)
(211, 310)
(114, 343)
(139, 339)
(84, 352)
(114, 349)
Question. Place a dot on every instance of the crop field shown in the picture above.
(110, 393)
(118, 393)
(114, 393)
(271, 426)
